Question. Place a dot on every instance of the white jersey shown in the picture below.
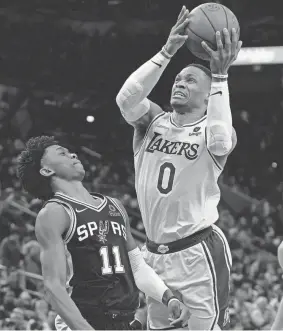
(176, 179)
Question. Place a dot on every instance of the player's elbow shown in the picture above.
(120, 101)
(219, 141)
(220, 146)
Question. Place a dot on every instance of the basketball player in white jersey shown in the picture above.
(178, 159)
(278, 322)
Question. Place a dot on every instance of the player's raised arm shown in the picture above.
(51, 223)
(219, 118)
(152, 285)
(132, 98)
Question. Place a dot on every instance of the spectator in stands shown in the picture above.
(262, 314)
(18, 319)
(10, 251)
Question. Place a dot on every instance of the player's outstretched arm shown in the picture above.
(132, 98)
(152, 285)
(219, 117)
(51, 223)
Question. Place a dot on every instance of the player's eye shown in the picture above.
(191, 80)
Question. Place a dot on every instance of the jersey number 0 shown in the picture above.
(166, 178)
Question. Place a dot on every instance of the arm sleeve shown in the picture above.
(132, 98)
(145, 277)
(219, 120)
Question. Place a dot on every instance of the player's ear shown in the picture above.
(46, 172)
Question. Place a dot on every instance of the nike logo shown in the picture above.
(158, 64)
(218, 92)
(81, 210)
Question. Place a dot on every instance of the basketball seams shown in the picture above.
(198, 36)
(208, 19)
(226, 17)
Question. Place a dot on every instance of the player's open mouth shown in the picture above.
(178, 94)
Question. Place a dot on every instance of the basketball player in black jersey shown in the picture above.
(90, 262)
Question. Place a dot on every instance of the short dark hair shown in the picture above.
(29, 164)
(201, 67)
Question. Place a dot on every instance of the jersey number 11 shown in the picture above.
(106, 268)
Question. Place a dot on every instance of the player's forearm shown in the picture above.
(219, 119)
(152, 285)
(66, 308)
(141, 82)
(278, 323)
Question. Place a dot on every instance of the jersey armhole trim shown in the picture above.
(219, 167)
(120, 210)
(147, 131)
(70, 211)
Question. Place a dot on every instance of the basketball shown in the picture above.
(205, 21)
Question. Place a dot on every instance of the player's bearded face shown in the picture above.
(58, 161)
(190, 90)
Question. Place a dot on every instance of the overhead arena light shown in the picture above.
(259, 55)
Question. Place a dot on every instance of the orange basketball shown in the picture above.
(205, 20)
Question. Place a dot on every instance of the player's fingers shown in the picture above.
(240, 43)
(235, 39)
(180, 39)
(207, 48)
(183, 18)
(181, 28)
(181, 12)
(176, 322)
(219, 42)
(227, 40)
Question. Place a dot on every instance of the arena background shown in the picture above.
(62, 63)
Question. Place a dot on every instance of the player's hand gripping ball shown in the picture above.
(204, 21)
(178, 36)
(225, 54)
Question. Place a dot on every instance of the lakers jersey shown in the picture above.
(99, 275)
(176, 179)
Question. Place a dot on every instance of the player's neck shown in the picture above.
(74, 189)
(187, 117)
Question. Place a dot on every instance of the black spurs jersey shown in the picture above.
(99, 274)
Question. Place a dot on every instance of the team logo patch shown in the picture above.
(113, 211)
(196, 131)
(112, 208)
(103, 231)
(162, 249)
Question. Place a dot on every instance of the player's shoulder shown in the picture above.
(52, 218)
(142, 124)
(116, 202)
(119, 205)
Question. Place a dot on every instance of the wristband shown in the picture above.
(166, 303)
(165, 53)
(171, 299)
(219, 76)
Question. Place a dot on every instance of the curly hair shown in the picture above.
(29, 165)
